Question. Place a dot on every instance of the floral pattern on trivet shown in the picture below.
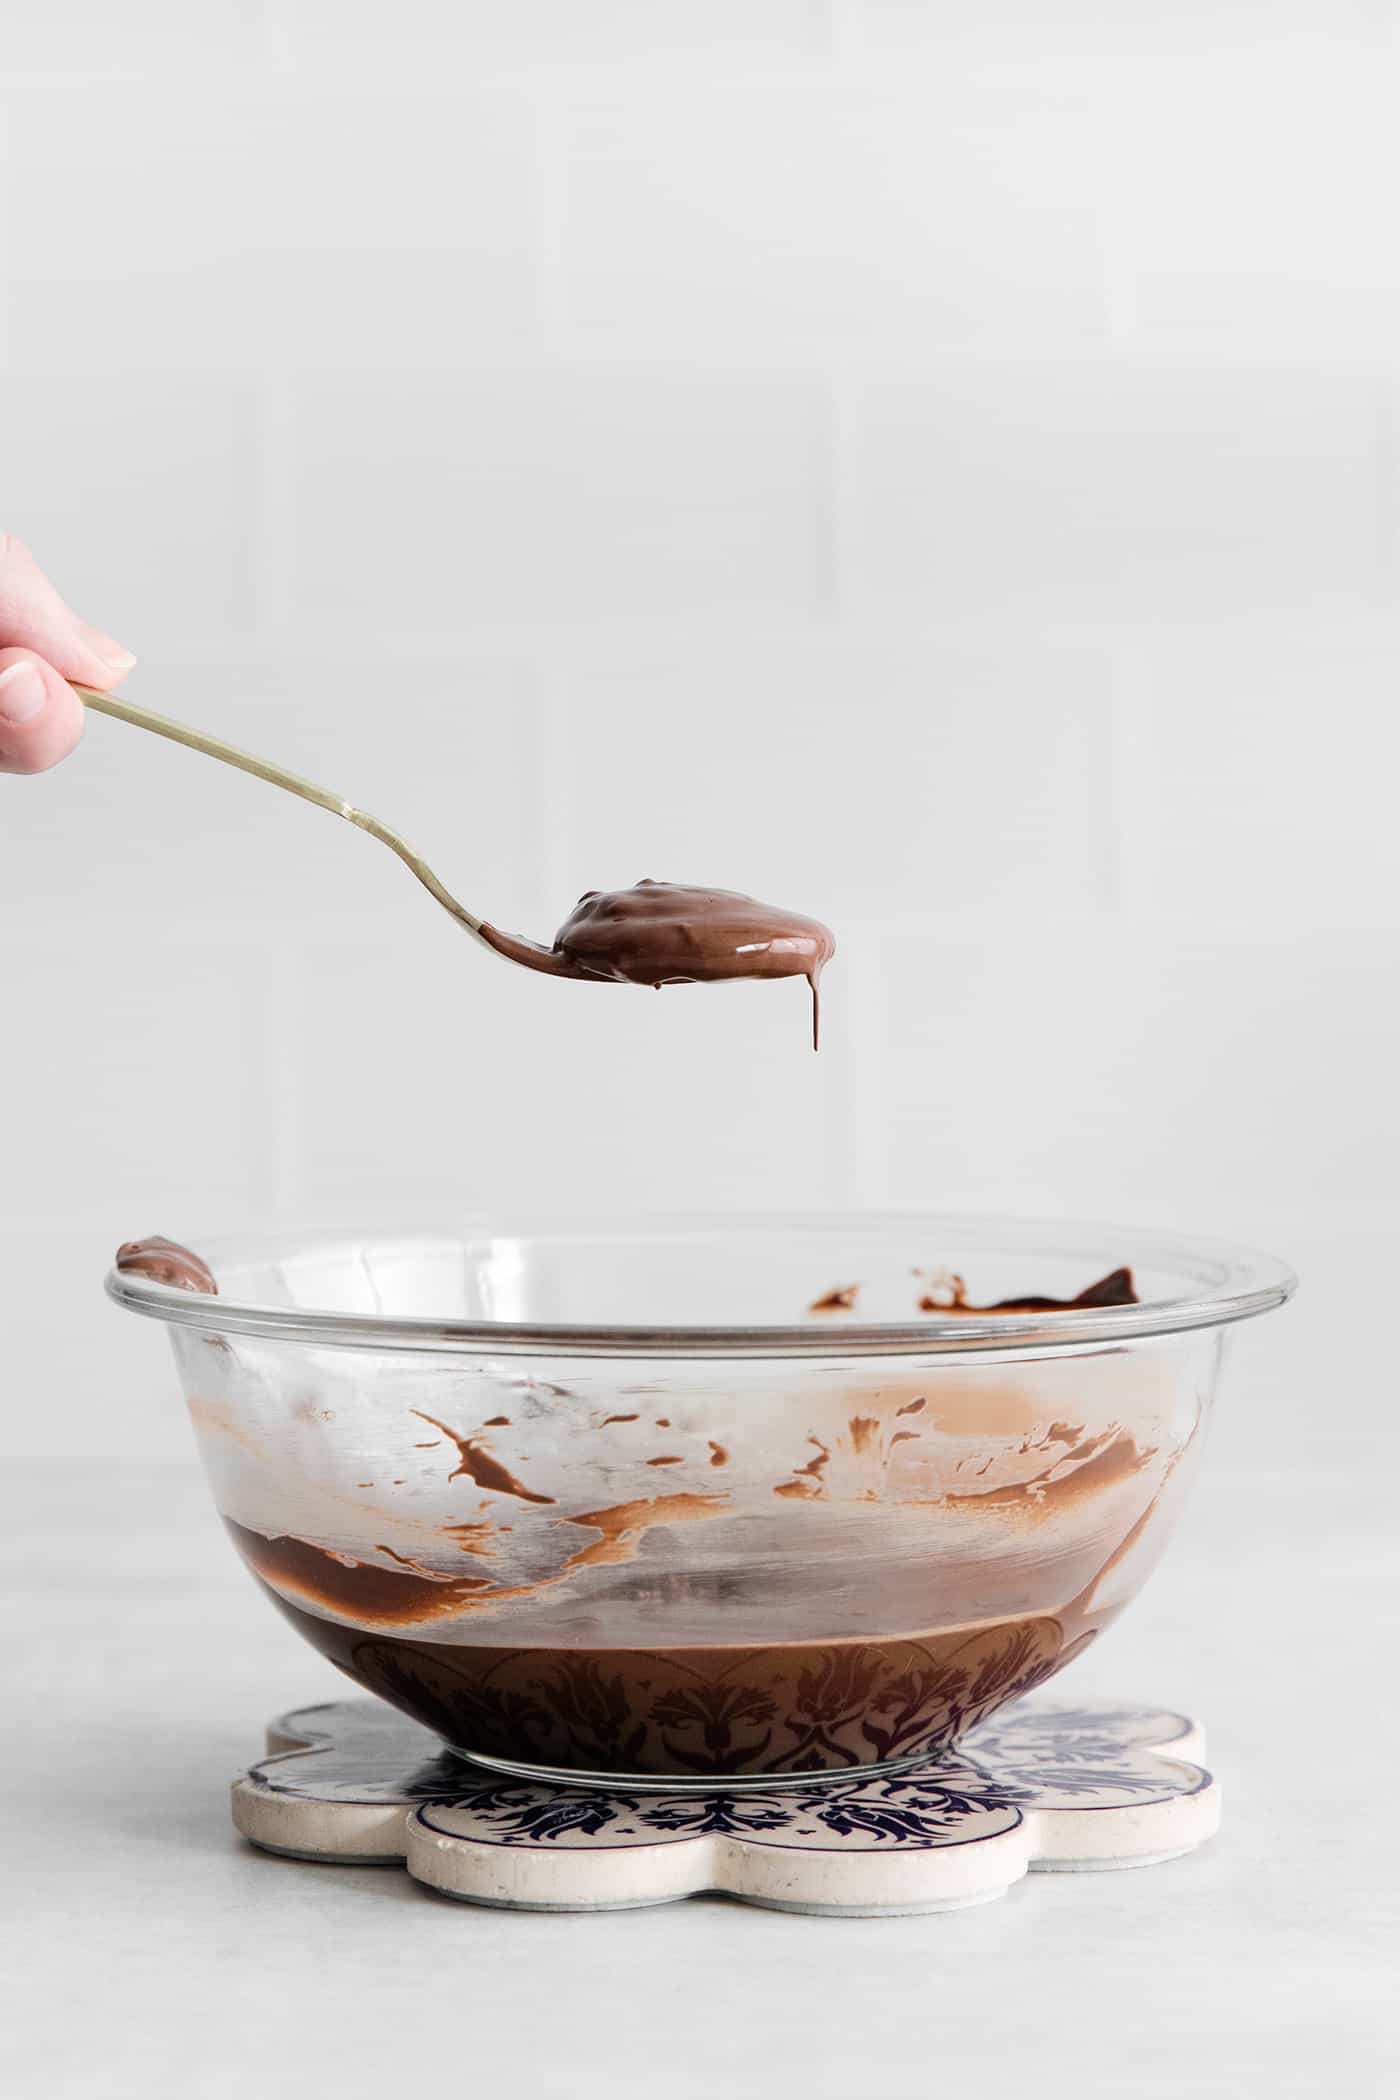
(1046, 1785)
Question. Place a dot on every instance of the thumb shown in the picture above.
(41, 717)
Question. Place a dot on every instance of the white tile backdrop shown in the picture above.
(931, 462)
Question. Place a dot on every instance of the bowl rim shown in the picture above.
(1237, 1283)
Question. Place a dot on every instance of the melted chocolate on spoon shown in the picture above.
(669, 933)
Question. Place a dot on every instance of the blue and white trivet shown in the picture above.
(1048, 1786)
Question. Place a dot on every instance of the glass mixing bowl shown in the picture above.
(611, 1504)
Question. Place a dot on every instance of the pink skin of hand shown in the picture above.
(42, 646)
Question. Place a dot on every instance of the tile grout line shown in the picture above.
(273, 522)
(829, 560)
(1120, 181)
(280, 1183)
(546, 176)
(553, 779)
(1135, 823)
(276, 38)
(864, 1177)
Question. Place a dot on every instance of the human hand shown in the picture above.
(42, 646)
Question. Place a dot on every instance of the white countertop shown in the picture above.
(150, 1952)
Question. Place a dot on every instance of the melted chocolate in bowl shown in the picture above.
(674, 933)
(166, 1262)
(797, 1705)
(736, 1570)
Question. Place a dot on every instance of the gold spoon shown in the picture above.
(655, 933)
(263, 769)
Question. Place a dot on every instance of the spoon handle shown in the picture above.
(278, 776)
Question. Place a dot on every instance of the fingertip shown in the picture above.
(34, 616)
(111, 662)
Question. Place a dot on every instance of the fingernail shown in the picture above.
(22, 693)
(111, 651)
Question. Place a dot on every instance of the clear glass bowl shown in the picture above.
(611, 1504)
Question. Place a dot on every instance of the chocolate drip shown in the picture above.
(670, 933)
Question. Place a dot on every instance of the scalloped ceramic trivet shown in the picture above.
(1047, 1786)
